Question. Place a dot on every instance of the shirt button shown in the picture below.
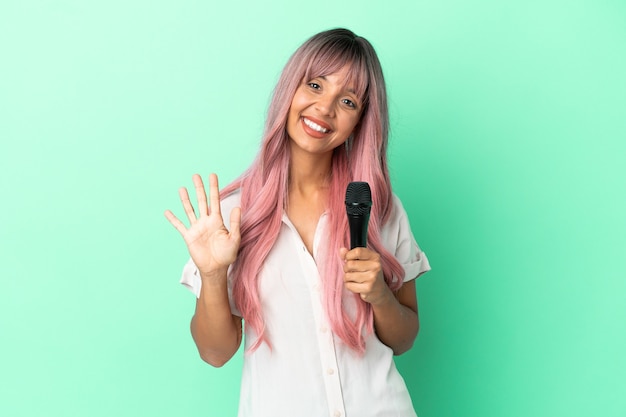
(323, 329)
(330, 371)
(337, 413)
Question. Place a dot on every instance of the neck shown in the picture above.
(309, 175)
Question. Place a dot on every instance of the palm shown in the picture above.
(211, 245)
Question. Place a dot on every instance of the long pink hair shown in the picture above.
(363, 157)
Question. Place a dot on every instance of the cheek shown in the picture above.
(294, 108)
(297, 103)
(352, 123)
(291, 114)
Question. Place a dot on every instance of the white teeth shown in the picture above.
(315, 126)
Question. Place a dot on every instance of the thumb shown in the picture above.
(342, 253)
(235, 222)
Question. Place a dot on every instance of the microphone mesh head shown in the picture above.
(358, 198)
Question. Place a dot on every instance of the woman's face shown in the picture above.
(323, 113)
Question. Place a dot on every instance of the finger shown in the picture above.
(363, 254)
(351, 287)
(356, 253)
(175, 222)
(200, 195)
(368, 277)
(342, 253)
(357, 288)
(354, 278)
(235, 223)
(184, 198)
(360, 266)
(214, 193)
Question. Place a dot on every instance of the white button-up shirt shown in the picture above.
(309, 371)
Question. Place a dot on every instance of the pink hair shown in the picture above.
(263, 185)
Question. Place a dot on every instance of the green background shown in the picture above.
(508, 150)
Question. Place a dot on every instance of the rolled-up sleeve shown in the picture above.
(192, 281)
(399, 239)
(191, 278)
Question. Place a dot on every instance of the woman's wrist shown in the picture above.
(214, 276)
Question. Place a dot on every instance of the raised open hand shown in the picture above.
(211, 246)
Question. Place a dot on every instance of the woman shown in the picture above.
(322, 321)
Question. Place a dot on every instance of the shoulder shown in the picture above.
(397, 208)
(398, 217)
(399, 240)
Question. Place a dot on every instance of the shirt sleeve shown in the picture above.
(192, 281)
(399, 239)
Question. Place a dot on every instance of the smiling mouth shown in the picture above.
(315, 126)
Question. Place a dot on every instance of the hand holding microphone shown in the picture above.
(363, 272)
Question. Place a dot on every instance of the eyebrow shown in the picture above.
(350, 90)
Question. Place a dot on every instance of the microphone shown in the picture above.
(358, 206)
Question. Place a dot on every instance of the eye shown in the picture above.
(313, 85)
(349, 103)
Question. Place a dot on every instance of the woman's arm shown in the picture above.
(215, 330)
(396, 320)
(213, 248)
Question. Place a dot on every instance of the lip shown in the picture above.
(312, 132)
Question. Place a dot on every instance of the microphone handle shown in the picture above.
(358, 230)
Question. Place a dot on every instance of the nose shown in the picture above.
(325, 104)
